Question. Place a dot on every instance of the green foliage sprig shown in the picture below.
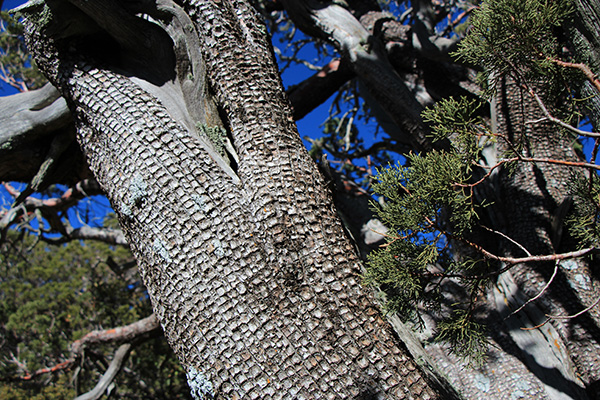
(458, 120)
(508, 35)
(584, 220)
(466, 336)
(430, 208)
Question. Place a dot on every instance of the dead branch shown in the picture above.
(511, 261)
(105, 235)
(534, 298)
(368, 60)
(129, 332)
(48, 208)
(551, 317)
(551, 118)
(310, 93)
(110, 374)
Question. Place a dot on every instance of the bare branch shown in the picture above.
(555, 120)
(129, 332)
(368, 60)
(110, 374)
(589, 74)
(430, 45)
(28, 123)
(519, 245)
(49, 207)
(58, 367)
(546, 286)
(551, 317)
(526, 159)
(309, 94)
(594, 304)
(105, 235)
(511, 261)
(559, 162)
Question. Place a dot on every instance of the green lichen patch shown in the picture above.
(200, 387)
(138, 190)
(216, 134)
(159, 248)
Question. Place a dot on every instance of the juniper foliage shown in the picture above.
(430, 204)
(508, 36)
(430, 207)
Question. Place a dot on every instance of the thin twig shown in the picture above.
(589, 74)
(538, 295)
(550, 257)
(560, 162)
(491, 169)
(555, 120)
(519, 245)
(575, 315)
(551, 317)
(514, 260)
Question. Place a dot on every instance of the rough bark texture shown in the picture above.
(540, 189)
(558, 360)
(249, 270)
(585, 41)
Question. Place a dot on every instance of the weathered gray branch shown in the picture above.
(111, 372)
(29, 124)
(105, 235)
(334, 23)
(48, 208)
(127, 333)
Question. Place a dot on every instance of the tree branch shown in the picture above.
(148, 325)
(49, 208)
(541, 292)
(312, 92)
(128, 333)
(589, 74)
(110, 374)
(29, 122)
(561, 123)
(105, 235)
(551, 317)
(337, 25)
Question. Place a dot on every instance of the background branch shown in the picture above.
(110, 374)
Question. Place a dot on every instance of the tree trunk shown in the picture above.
(249, 270)
(542, 191)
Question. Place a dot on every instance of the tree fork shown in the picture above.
(249, 271)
